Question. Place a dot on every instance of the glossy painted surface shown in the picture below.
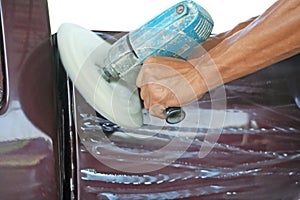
(28, 117)
(1, 84)
(260, 160)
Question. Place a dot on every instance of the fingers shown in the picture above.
(157, 110)
(151, 94)
(154, 97)
(167, 82)
(152, 100)
(169, 62)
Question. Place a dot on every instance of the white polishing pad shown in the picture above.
(82, 53)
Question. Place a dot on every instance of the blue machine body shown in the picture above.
(175, 32)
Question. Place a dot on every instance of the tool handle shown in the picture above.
(174, 115)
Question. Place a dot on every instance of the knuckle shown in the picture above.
(150, 59)
(155, 97)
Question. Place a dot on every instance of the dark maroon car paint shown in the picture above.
(28, 122)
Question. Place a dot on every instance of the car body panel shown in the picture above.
(28, 126)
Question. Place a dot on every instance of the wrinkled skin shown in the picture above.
(250, 46)
(161, 87)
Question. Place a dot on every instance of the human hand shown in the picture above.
(168, 82)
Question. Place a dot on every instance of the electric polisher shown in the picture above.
(105, 74)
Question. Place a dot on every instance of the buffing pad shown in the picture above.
(82, 53)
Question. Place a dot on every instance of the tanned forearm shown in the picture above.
(269, 38)
(214, 40)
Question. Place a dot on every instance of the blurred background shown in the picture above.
(118, 15)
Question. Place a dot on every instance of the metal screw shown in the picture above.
(109, 127)
(174, 115)
(180, 9)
